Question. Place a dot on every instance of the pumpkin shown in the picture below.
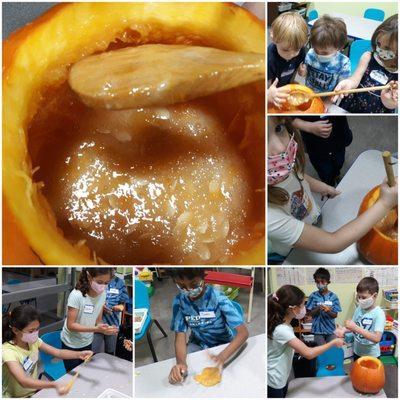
(368, 375)
(314, 106)
(37, 58)
(377, 246)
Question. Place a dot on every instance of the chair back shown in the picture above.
(375, 14)
(53, 370)
(357, 49)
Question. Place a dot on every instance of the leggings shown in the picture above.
(71, 364)
(277, 393)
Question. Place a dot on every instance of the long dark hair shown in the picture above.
(278, 305)
(20, 317)
(83, 283)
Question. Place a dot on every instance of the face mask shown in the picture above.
(325, 59)
(280, 165)
(192, 293)
(301, 314)
(321, 287)
(382, 64)
(366, 303)
(97, 287)
(30, 337)
(385, 54)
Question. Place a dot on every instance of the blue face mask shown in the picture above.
(192, 293)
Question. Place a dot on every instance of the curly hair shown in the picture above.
(278, 305)
(83, 283)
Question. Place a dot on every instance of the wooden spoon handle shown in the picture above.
(349, 91)
(387, 160)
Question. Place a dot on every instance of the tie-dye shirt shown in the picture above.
(212, 318)
(323, 77)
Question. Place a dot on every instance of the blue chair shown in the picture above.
(52, 370)
(357, 49)
(334, 356)
(375, 14)
(142, 301)
(313, 14)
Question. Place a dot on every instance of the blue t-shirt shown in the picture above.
(323, 77)
(372, 321)
(116, 293)
(211, 318)
(322, 323)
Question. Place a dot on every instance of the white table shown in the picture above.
(325, 387)
(244, 377)
(357, 27)
(366, 172)
(102, 372)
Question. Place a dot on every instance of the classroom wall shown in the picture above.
(356, 9)
(345, 291)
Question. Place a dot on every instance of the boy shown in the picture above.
(323, 305)
(326, 66)
(211, 317)
(289, 35)
(368, 321)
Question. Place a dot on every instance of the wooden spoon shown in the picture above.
(297, 98)
(387, 160)
(159, 75)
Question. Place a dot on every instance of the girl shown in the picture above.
(375, 68)
(284, 305)
(85, 313)
(292, 211)
(21, 345)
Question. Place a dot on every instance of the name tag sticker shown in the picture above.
(328, 303)
(207, 314)
(88, 309)
(379, 76)
(114, 291)
(27, 364)
(366, 321)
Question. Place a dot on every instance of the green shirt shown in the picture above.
(89, 309)
(28, 359)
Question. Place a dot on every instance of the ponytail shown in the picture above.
(20, 317)
(83, 283)
(278, 305)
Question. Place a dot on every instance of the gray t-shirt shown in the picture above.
(89, 309)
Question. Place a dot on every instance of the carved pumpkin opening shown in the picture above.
(369, 364)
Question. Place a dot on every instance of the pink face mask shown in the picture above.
(280, 165)
(97, 287)
(30, 337)
(301, 314)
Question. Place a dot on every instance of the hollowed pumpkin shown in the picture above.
(36, 62)
(314, 106)
(367, 375)
(379, 245)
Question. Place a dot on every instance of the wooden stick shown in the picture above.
(387, 160)
(349, 91)
(87, 359)
(71, 382)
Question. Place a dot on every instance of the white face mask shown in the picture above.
(366, 303)
(327, 58)
(382, 64)
(385, 54)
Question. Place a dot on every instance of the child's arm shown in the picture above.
(318, 186)
(241, 336)
(372, 336)
(26, 381)
(180, 369)
(311, 352)
(65, 354)
(321, 128)
(355, 79)
(316, 239)
(74, 326)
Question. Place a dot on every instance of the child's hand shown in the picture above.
(350, 325)
(177, 373)
(340, 331)
(345, 84)
(325, 308)
(338, 342)
(330, 191)
(302, 70)
(389, 97)
(118, 308)
(107, 329)
(322, 128)
(219, 359)
(83, 355)
(389, 195)
(128, 344)
(277, 96)
(62, 389)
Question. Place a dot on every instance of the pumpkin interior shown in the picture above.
(180, 184)
(369, 364)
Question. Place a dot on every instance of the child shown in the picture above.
(211, 317)
(116, 296)
(292, 211)
(21, 345)
(323, 305)
(326, 66)
(85, 313)
(289, 35)
(286, 304)
(375, 69)
(368, 321)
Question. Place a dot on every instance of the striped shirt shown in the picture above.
(116, 294)
(211, 318)
(322, 323)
